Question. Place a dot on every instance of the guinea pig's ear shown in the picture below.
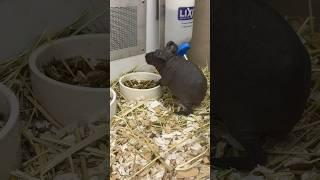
(170, 43)
(172, 47)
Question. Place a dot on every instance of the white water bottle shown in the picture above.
(179, 21)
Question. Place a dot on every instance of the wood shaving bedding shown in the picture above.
(149, 141)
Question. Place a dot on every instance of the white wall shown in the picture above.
(152, 26)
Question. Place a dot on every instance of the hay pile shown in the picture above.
(298, 156)
(140, 84)
(149, 141)
(79, 71)
(50, 150)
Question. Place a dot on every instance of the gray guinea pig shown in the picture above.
(184, 79)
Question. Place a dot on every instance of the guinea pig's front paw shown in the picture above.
(158, 83)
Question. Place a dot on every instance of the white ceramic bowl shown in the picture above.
(113, 103)
(10, 134)
(69, 104)
(131, 94)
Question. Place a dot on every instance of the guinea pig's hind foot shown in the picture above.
(183, 113)
(186, 110)
(255, 155)
(242, 164)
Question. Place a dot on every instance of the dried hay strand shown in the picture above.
(149, 141)
(49, 149)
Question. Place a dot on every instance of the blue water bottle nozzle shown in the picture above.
(183, 49)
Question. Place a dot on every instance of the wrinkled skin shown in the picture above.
(261, 76)
(184, 79)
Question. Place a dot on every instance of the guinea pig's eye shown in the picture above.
(158, 53)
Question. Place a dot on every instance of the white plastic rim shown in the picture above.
(113, 104)
(132, 94)
(10, 134)
(13, 111)
(113, 95)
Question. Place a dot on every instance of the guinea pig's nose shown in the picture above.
(147, 57)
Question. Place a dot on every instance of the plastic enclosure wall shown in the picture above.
(128, 28)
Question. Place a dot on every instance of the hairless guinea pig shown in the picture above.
(184, 79)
